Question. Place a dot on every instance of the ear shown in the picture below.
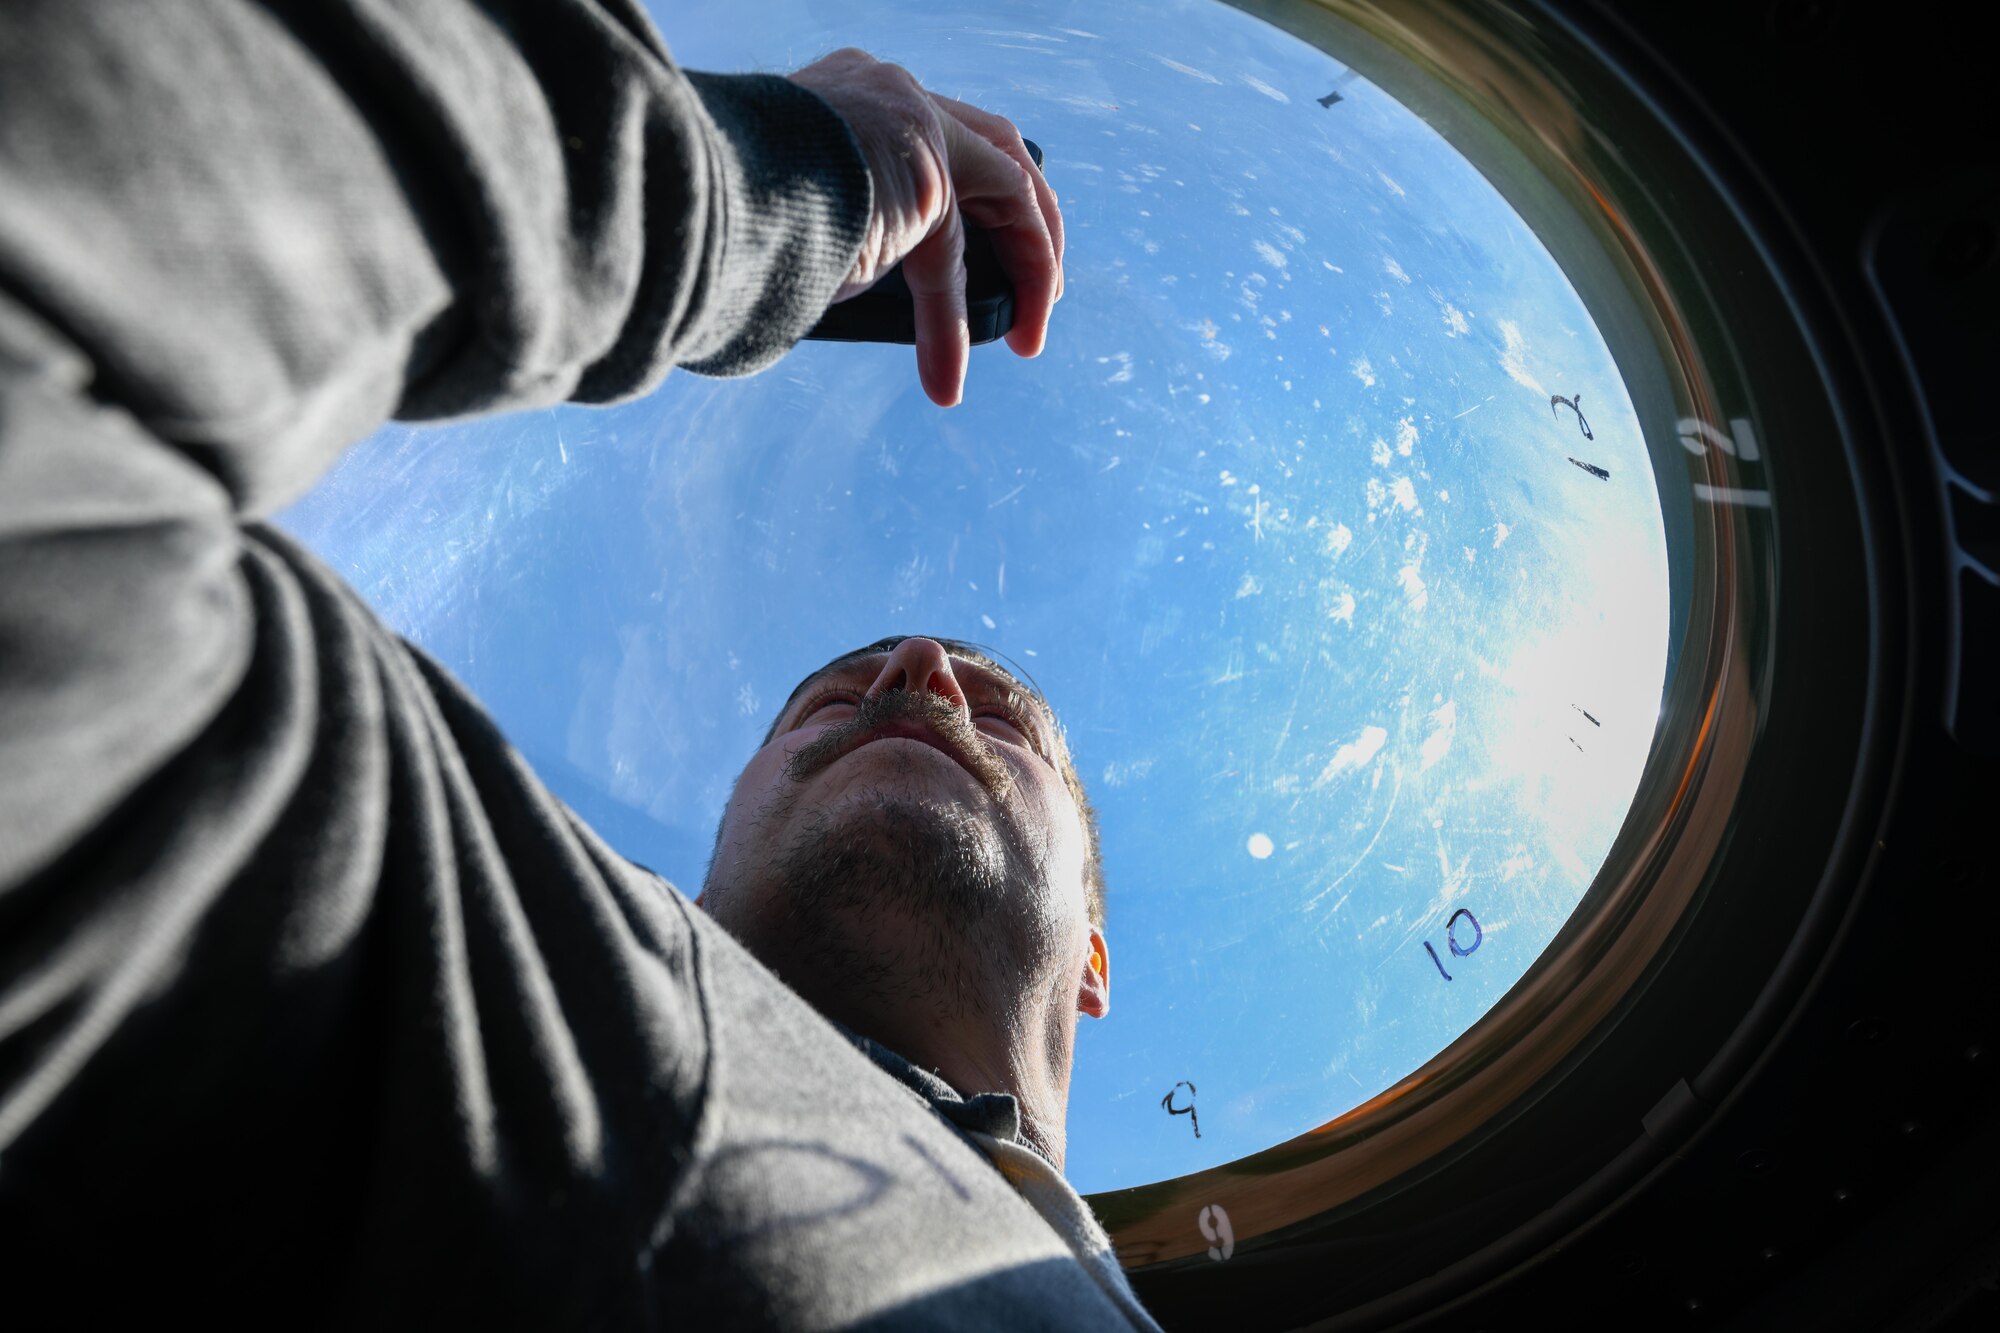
(1093, 996)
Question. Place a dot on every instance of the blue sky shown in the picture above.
(1283, 521)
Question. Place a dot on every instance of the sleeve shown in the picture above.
(303, 976)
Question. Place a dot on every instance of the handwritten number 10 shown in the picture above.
(1451, 939)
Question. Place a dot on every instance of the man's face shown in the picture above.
(908, 825)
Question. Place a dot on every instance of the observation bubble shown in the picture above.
(1405, 612)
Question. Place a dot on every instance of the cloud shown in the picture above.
(1415, 591)
(1411, 576)
(1188, 70)
(1513, 357)
(1444, 726)
(1353, 755)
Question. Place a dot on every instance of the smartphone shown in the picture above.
(885, 314)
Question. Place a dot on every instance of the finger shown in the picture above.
(1004, 135)
(1027, 255)
(996, 193)
(935, 272)
(1045, 198)
(1029, 262)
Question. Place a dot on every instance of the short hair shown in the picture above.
(1093, 860)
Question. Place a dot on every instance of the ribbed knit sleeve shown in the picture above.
(315, 1006)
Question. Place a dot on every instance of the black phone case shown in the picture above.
(885, 314)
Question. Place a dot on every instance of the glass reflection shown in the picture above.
(1324, 521)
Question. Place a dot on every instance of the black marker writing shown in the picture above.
(1557, 400)
(1167, 1102)
(1451, 939)
(1592, 469)
(1329, 100)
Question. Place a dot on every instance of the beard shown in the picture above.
(899, 892)
(909, 901)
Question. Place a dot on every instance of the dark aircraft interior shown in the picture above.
(1752, 1085)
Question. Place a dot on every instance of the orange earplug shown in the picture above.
(1097, 962)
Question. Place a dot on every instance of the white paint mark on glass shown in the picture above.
(1731, 495)
(1215, 1227)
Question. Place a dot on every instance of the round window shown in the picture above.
(1326, 521)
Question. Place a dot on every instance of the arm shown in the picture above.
(237, 238)
(303, 978)
(303, 975)
(267, 227)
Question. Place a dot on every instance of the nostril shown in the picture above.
(919, 665)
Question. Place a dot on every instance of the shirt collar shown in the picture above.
(994, 1113)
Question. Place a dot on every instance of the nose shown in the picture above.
(918, 665)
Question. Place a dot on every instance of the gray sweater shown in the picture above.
(315, 1006)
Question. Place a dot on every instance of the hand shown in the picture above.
(932, 158)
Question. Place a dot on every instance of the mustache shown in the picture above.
(953, 727)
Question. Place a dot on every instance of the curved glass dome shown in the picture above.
(1325, 522)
